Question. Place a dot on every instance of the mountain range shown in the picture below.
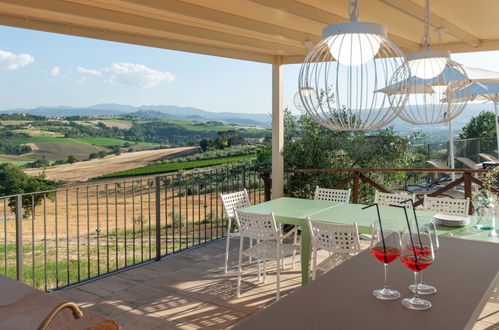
(245, 119)
(150, 112)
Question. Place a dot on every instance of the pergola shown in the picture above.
(266, 31)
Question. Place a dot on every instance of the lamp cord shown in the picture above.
(426, 37)
(353, 10)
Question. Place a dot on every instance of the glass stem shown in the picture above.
(421, 278)
(416, 295)
(386, 276)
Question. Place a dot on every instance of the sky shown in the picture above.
(46, 69)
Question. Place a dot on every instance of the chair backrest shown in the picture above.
(447, 205)
(338, 238)
(388, 199)
(234, 201)
(257, 226)
(332, 195)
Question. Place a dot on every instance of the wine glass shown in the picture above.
(417, 254)
(423, 288)
(385, 246)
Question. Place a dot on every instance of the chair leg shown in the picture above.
(265, 271)
(314, 266)
(259, 271)
(295, 241)
(251, 245)
(278, 281)
(240, 267)
(227, 246)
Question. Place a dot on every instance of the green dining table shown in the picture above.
(295, 211)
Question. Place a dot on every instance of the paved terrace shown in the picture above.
(189, 290)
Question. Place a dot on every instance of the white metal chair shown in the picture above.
(269, 247)
(231, 202)
(388, 199)
(332, 195)
(452, 206)
(342, 241)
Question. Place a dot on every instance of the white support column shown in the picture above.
(277, 129)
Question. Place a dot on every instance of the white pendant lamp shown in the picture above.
(428, 78)
(340, 76)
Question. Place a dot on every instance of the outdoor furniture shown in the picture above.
(24, 307)
(489, 158)
(332, 195)
(263, 228)
(467, 162)
(342, 241)
(295, 211)
(388, 199)
(231, 202)
(453, 206)
(342, 298)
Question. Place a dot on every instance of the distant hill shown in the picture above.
(150, 112)
(246, 119)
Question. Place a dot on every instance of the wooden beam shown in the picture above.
(137, 39)
(78, 13)
(320, 15)
(412, 9)
(213, 15)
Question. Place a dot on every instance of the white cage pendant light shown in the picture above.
(344, 71)
(429, 77)
(305, 90)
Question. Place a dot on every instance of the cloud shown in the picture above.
(10, 61)
(86, 71)
(136, 75)
(55, 71)
(129, 74)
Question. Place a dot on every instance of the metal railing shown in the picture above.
(370, 179)
(57, 238)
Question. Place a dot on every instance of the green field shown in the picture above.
(172, 167)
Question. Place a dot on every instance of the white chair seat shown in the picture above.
(333, 260)
(267, 250)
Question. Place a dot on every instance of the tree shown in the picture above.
(117, 150)
(102, 154)
(310, 145)
(14, 181)
(483, 125)
(204, 144)
(71, 159)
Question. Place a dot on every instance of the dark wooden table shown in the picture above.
(464, 272)
(24, 307)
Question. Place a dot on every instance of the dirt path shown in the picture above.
(82, 171)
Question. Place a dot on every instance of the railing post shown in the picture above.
(19, 237)
(467, 189)
(356, 188)
(267, 184)
(243, 174)
(158, 217)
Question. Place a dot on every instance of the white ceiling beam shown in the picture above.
(213, 15)
(411, 9)
(137, 39)
(319, 15)
(108, 16)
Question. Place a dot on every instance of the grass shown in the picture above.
(110, 252)
(172, 167)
